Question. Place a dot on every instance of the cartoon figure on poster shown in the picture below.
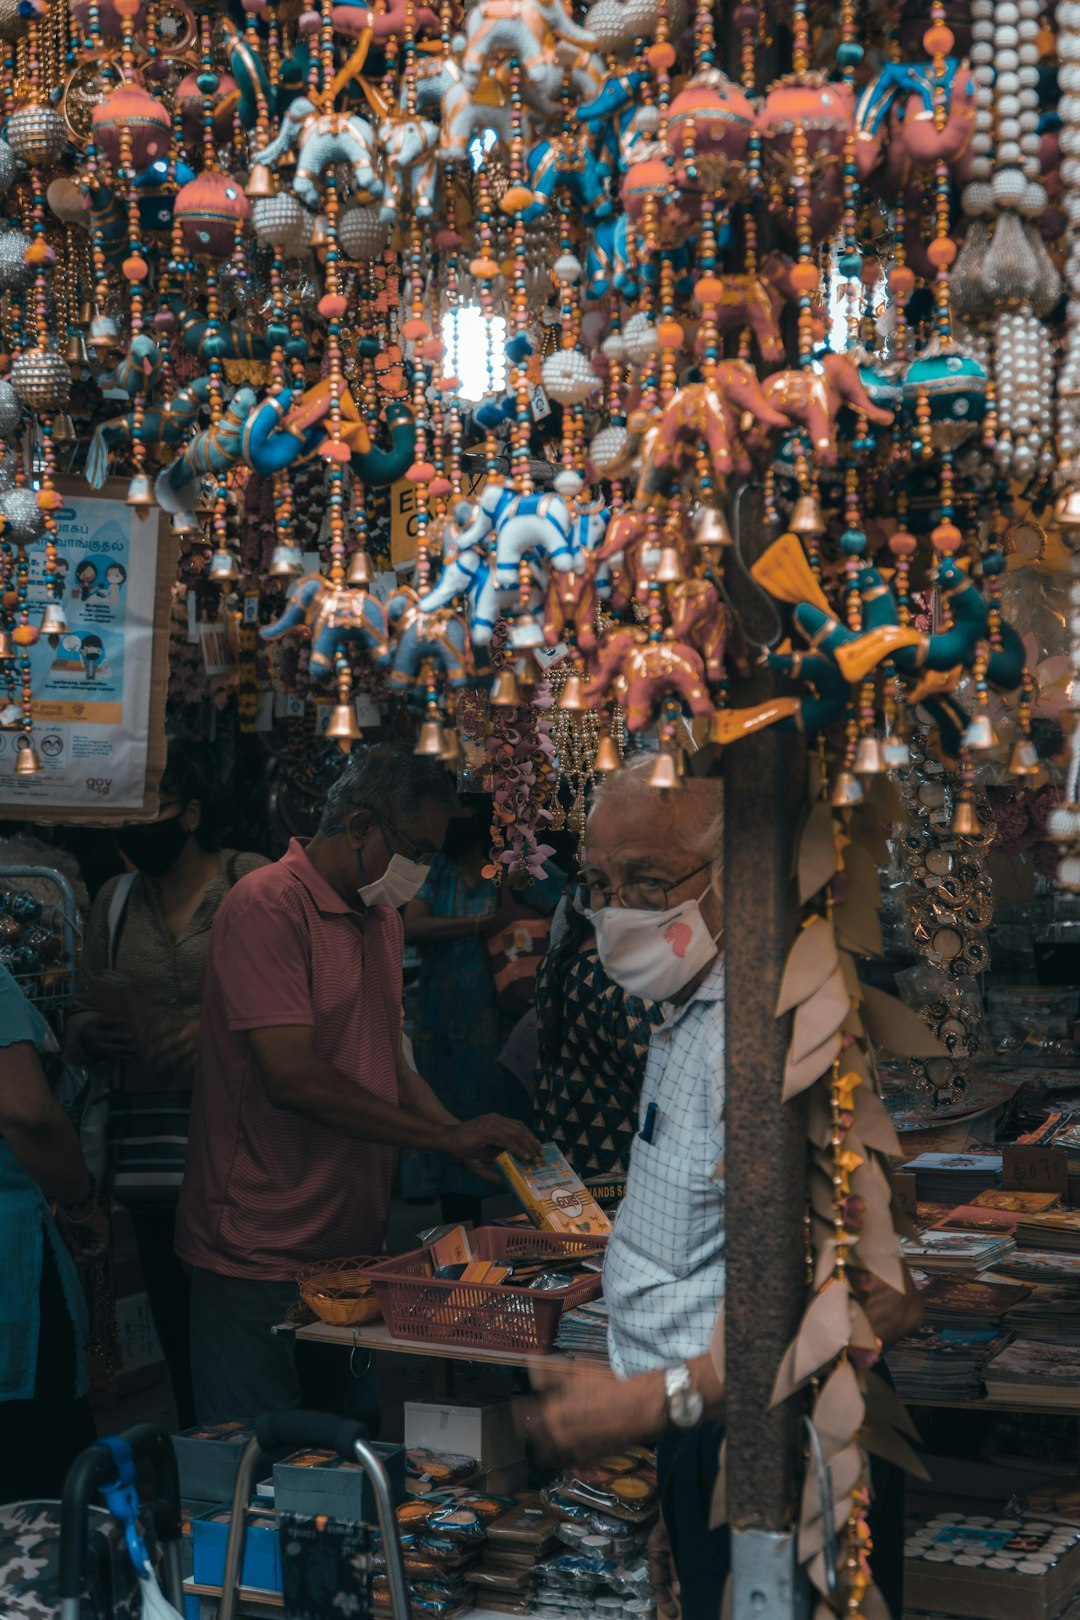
(86, 579)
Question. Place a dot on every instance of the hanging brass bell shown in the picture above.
(1067, 508)
(140, 494)
(965, 820)
(77, 355)
(895, 754)
(286, 562)
(669, 568)
(868, 757)
(223, 567)
(320, 236)
(360, 569)
(185, 523)
(53, 622)
(571, 696)
(451, 748)
(525, 634)
(1024, 759)
(847, 791)
(980, 736)
(7, 646)
(27, 762)
(665, 773)
(806, 517)
(607, 756)
(711, 529)
(431, 741)
(63, 429)
(505, 693)
(260, 183)
(343, 725)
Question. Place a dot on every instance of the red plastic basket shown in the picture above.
(484, 1316)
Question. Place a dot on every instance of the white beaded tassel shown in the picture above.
(1063, 822)
(1068, 393)
(1024, 370)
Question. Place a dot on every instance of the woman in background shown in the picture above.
(45, 1417)
(460, 1027)
(154, 934)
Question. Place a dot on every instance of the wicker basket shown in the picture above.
(339, 1291)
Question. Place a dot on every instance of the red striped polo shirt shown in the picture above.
(265, 1189)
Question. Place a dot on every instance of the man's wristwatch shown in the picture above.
(685, 1406)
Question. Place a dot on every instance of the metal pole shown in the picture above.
(764, 782)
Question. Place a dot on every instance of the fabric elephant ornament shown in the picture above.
(520, 523)
(222, 340)
(323, 139)
(901, 103)
(709, 413)
(825, 113)
(211, 452)
(702, 621)
(279, 431)
(571, 608)
(754, 301)
(811, 398)
(333, 616)
(441, 82)
(137, 372)
(565, 161)
(543, 37)
(643, 672)
(614, 115)
(385, 23)
(466, 575)
(442, 637)
(410, 148)
(166, 424)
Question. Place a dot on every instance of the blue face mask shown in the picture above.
(400, 883)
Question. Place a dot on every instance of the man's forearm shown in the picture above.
(415, 1095)
(325, 1094)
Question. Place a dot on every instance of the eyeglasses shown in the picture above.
(644, 894)
(422, 857)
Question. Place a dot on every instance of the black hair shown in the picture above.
(189, 774)
(470, 828)
(391, 780)
(87, 562)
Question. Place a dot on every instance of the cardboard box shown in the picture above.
(318, 1482)
(986, 1591)
(508, 1480)
(481, 1429)
(208, 1457)
(261, 1568)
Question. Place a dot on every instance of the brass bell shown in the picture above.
(807, 516)
(53, 622)
(1067, 508)
(980, 736)
(711, 529)
(868, 757)
(669, 568)
(63, 429)
(895, 754)
(7, 646)
(360, 569)
(286, 562)
(607, 756)
(431, 740)
(185, 523)
(223, 567)
(965, 819)
(847, 791)
(571, 695)
(77, 355)
(260, 183)
(665, 773)
(27, 762)
(451, 748)
(1024, 759)
(525, 633)
(140, 494)
(343, 725)
(320, 236)
(505, 693)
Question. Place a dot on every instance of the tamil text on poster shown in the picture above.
(91, 684)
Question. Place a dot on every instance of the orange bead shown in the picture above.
(516, 199)
(24, 635)
(670, 335)
(135, 268)
(439, 486)
(48, 500)
(661, 57)
(709, 290)
(902, 544)
(416, 330)
(805, 278)
(421, 472)
(448, 385)
(332, 306)
(946, 538)
(901, 280)
(938, 41)
(941, 252)
(338, 452)
(483, 268)
(127, 8)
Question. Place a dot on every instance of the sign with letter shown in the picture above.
(403, 515)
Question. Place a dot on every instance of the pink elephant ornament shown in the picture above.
(811, 398)
(896, 128)
(825, 113)
(641, 672)
(711, 413)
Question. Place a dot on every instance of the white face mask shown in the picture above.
(653, 953)
(400, 883)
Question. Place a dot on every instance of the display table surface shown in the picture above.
(274, 1600)
(377, 1336)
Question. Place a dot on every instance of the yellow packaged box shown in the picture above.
(552, 1196)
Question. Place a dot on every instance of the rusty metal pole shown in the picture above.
(764, 787)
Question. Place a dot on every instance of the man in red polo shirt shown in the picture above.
(303, 1095)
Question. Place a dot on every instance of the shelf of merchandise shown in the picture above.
(984, 1404)
(253, 1598)
(377, 1336)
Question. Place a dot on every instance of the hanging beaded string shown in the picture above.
(515, 201)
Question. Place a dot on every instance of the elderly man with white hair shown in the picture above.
(653, 889)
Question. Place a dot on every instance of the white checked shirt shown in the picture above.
(664, 1274)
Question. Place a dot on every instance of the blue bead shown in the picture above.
(207, 83)
(848, 54)
(853, 542)
(994, 563)
(850, 264)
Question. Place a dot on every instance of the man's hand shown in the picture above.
(892, 1315)
(177, 1051)
(662, 1577)
(88, 1238)
(101, 1039)
(478, 1142)
(582, 1412)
